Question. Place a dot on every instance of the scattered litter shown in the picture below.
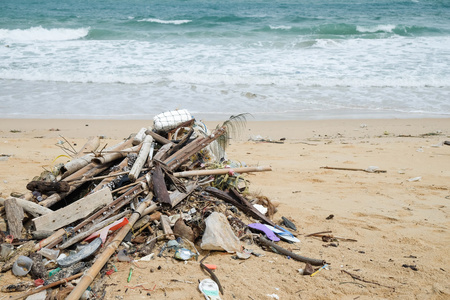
(209, 289)
(412, 267)
(415, 179)
(320, 269)
(289, 224)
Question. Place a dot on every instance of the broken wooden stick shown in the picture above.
(222, 171)
(356, 277)
(90, 274)
(32, 292)
(369, 170)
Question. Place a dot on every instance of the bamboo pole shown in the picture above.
(109, 157)
(54, 237)
(90, 274)
(76, 164)
(141, 159)
(91, 145)
(222, 171)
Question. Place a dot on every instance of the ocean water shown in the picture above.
(289, 59)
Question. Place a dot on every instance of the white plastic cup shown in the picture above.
(22, 266)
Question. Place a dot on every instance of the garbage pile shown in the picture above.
(168, 188)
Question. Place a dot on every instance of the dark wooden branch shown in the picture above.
(281, 250)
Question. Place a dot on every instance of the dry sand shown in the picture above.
(395, 221)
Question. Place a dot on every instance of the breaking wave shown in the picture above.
(43, 34)
(174, 22)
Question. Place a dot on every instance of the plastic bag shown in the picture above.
(218, 234)
(170, 119)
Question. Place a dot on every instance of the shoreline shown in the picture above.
(312, 115)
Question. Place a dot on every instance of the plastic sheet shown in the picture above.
(218, 235)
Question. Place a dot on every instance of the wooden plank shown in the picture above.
(73, 212)
(163, 152)
(177, 196)
(14, 215)
(165, 224)
(159, 185)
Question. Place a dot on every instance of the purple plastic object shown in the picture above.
(269, 233)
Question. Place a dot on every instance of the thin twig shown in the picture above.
(356, 277)
(317, 233)
(73, 149)
(354, 169)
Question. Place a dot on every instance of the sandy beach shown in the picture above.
(399, 218)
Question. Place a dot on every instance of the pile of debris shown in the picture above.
(170, 186)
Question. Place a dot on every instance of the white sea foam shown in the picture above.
(376, 28)
(283, 27)
(43, 34)
(175, 22)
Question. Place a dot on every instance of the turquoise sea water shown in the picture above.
(303, 59)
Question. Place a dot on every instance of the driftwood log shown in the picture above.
(141, 159)
(44, 187)
(30, 207)
(139, 137)
(14, 216)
